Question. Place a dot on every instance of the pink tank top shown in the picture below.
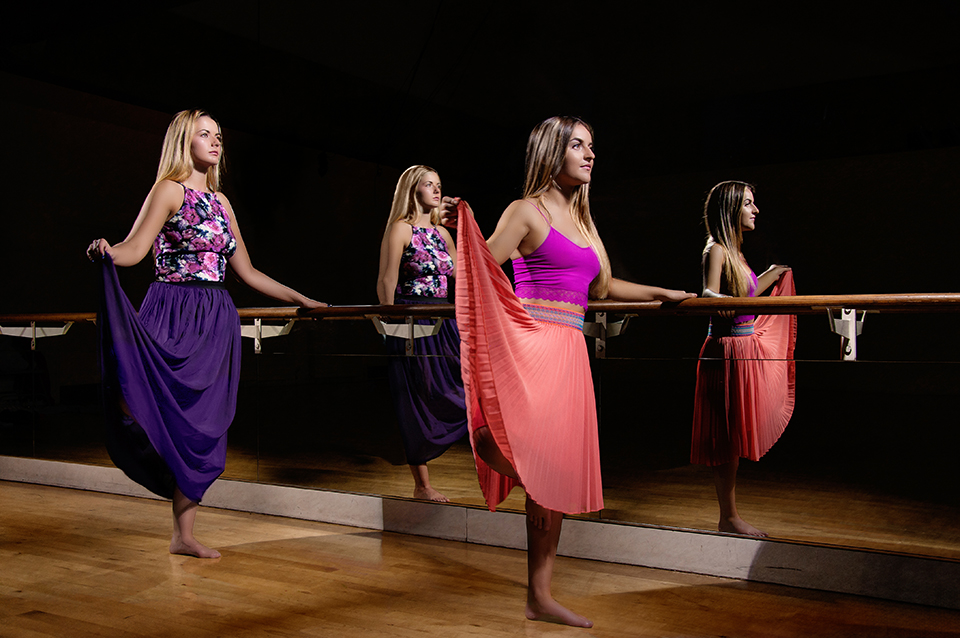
(558, 270)
(752, 292)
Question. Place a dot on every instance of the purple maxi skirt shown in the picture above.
(427, 390)
(169, 377)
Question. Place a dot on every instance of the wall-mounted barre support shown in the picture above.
(35, 333)
(407, 330)
(601, 330)
(258, 332)
(848, 327)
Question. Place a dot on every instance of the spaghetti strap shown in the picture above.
(540, 211)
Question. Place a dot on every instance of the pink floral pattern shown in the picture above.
(195, 244)
(425, 265)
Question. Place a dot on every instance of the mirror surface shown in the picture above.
(860, 462)
(849, 132)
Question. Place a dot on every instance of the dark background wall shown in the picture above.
(846, 114)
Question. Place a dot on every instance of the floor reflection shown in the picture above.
(787, 506)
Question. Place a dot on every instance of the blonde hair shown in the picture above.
(546, 150)
(721, 216)
(406, 205)
(176, 160)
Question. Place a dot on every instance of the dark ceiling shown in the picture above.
(669, 86)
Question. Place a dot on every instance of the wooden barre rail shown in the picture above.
(799, 305)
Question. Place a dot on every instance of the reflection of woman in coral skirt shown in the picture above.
(530, 403)
(745, 377)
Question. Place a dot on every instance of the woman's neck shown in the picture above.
(558, 200)
(423, 221)
(196, 181)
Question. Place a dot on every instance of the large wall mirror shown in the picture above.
(865, 456)
(855, 187)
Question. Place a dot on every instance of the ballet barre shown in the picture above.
(845, 315)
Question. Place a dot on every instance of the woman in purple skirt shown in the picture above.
(170, 372)
(417, 262)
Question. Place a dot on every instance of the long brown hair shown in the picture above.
(721, 216)
(546, 149)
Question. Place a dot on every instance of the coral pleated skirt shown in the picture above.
(745, 388)
(528, 379)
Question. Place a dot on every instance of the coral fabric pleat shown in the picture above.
(529, 382)
(175, 365)
(745, 388)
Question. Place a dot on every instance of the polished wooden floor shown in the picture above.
(80, 564)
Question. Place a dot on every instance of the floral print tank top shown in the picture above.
(194, 244)
(425, 265)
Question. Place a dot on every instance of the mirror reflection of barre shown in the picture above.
(825, 483)
(408, 330)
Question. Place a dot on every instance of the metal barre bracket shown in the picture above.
(601, 330)
(258, 332)
(848, 327)
(407, 330)
(35, 333)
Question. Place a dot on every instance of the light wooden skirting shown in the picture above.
(888, 576)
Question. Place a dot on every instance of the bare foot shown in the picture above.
(737, 525)
(194, 548)
(429, 494)
(552, 611)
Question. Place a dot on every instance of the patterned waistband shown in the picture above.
(730, 330)
(556, 316)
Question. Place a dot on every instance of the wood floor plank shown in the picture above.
(81, 564)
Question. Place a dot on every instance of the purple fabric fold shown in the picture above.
(427, 391)
(170, 375)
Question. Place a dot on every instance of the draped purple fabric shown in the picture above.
(427, 390)
(170, 375)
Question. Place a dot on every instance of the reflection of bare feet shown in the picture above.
(737, 525)
(429, 494)
(193, 548)
(550, 610)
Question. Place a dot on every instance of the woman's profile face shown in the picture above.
(207, 143)
(748, 212)
(578, 158)
(428, 191)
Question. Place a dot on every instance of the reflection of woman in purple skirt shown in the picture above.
(417, 257)
(170, 373)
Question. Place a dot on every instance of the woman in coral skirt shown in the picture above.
(529, 393)
(745, 376)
